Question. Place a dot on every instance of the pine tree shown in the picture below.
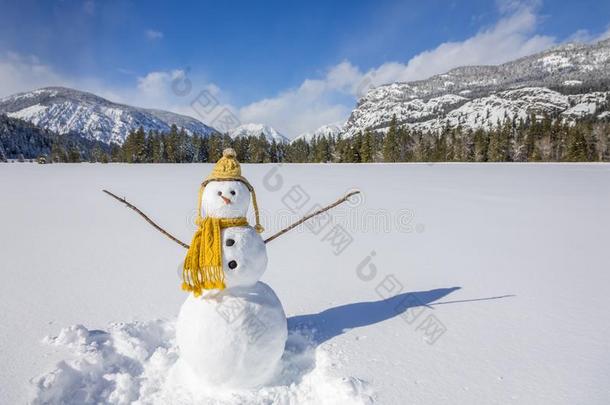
(391, 148)
(499, 143)
(58, 152)
(149, 146)
(97, 154)
(156, 148)
(405, 145)
(274, 152)
(457, 146)
(74, 155)
(322, 152)
(202, 152)
(481, 145)
(439, 151)
(367, 147)
(469, 154)
(298, 151)
(214, 148)
(139, 146)
(577, 146)
(115, 153)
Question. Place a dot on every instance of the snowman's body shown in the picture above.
(232, 338)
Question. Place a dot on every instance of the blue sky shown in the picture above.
(293, 65)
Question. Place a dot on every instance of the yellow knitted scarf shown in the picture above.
(203, 263)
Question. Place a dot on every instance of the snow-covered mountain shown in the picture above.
(270, 133)
(65, 110)
(572, 81)
(329, 130)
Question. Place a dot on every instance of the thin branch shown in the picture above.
(313, 214)
(269, 239)
(150, 221)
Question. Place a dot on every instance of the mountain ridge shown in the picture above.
(328, 130)
(255, 130)
(577, 72)
(65, 110)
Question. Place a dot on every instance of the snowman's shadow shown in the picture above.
(335, 321)
(307, 332)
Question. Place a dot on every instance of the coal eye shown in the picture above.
(232, 264)
(232, 192)
(219, 193)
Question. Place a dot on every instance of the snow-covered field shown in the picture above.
(462, 284)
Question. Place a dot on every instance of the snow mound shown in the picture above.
(130, 363)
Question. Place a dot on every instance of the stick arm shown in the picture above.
(269, 239)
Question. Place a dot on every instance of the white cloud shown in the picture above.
(585, 36)
(512, 37)
(310, 105)
(153, 34)
(296, 111)
(156, 84)
(179, 92)
(22, 73)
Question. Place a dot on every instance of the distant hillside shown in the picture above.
(19, 138)
(571, 82)
(255, 130)
(65, 110)
(329, 130)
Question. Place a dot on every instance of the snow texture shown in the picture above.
(526, 243)
(132, 363)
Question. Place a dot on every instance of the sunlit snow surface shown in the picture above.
(130, 363)
(462, 283)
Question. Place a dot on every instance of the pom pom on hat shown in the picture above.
(229, 153)
(227, 166)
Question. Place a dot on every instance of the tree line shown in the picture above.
(21, 140)
(530, 140)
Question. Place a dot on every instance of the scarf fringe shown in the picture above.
(202, 268)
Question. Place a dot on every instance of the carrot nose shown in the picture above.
(225, 199)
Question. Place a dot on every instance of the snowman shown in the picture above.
(231, 330)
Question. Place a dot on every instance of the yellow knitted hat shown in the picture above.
(228, 169)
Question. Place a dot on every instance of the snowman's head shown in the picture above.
(226, 193)
(225, 199)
